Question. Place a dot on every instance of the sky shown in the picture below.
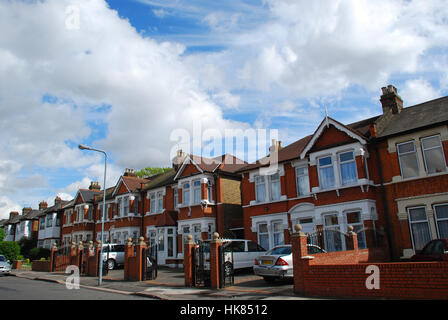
(143, 78)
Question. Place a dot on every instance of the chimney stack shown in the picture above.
(43, 205)
(57, 200)
(94, 185)
(129, 173)
(178, 159)
(390, 100)
(13, 214)
(276, 146)
(26, 210)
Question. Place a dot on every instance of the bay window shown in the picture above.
(326, 172)
(419, 227)
(348, 168)
(302, 181)
(407, 156)
(196, 192)
(159, 201)
(441, 216)
(263, 235)
(275, 186)
(186, 194)
(433, 154)
(354, 219)
(126, 206)
(260, 189)
(176, 197)
(152, 202)
(278, 234)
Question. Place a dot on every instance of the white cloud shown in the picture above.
(417, 91)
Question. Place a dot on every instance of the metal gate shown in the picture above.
(61, 259)
(149, 263)
(330, 240)
(226, 270)
(83, 256)
(201, 267)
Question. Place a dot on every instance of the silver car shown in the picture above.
(113, 254)
(5, 266)
(277, 262)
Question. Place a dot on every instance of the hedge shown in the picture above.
(10, 249)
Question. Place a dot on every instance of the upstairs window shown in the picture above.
(176, 197)
(119, 208)
(186, 194)
(407, 157)
(209, 191)
(326, 173)
(159, 201)
(433, 154)
(41, 223)
(275, 186)
(302, 181)
(196, 191)
(152, 202)
(49, 221)
(126, 206)
(348, 168)
(260, 189)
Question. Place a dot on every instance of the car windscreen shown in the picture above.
(2, 259)
(279, 251)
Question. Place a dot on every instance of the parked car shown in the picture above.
(5, 265)
(243, 251)
(277, 262)
(113, 254)
(434, 250)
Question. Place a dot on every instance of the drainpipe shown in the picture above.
(383, 198)
(215, 176)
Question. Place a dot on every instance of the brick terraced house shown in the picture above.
(385, 175)
(50, 224)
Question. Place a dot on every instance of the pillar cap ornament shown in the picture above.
(142, 241)
(55, 247)
(129, 243)
(350, 230)
(298, 230)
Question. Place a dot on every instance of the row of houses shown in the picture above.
(386, 176)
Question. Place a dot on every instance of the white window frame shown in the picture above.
(258, 183)
(407, 153)
(125, 206)
(353, 161)
(298, 176)
(273, 182)
(197, 196)
(418, 221)
(176, 197)
(440, 146)
(186, 199)
(319, 167)
(159, 201)
(436, 218)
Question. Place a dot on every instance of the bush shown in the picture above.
(26, 245)
(19, 257)
(38, 253)
(2, 234)
(10, 249)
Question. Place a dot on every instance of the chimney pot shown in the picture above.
(26, 210)
(13, 214)
(390, 100)
(43, 205)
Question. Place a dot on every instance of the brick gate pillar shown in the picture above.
(53, 256)
(73, 255)
(141, 246)
(214, 261)
(299, 251)
(80, 256)
(188, 261)
(128, 253)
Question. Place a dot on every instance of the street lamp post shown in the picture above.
(100, 271)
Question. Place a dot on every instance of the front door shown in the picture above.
(166, 244)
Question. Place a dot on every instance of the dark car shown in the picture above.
(435, 250)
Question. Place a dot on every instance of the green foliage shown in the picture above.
(39, 253)
(19, 257)
(2, 234)
(10, 249)
(151, 171)
(26, 245)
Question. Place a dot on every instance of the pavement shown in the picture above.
(169, 285)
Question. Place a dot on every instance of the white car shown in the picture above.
(277, 262)
(5, 266)
(244, 252)
(113, 254)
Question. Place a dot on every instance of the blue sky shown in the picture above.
(130, 76)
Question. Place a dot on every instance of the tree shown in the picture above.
(151, 171)
(10, 249)
(2, 234)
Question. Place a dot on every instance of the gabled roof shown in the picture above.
(295, 149)
(109, 194)
(86, 195)
(133, 184)
(56, 207)
(3, 222)
(425, 114)
(33, 214)
(225, 163)
(325, 124)
(70, 203)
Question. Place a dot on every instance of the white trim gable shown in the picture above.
(186, 161)
(324, 124)
(117, 186)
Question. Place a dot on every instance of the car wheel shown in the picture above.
(269, 279)
(111, 264)
(228, 269)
